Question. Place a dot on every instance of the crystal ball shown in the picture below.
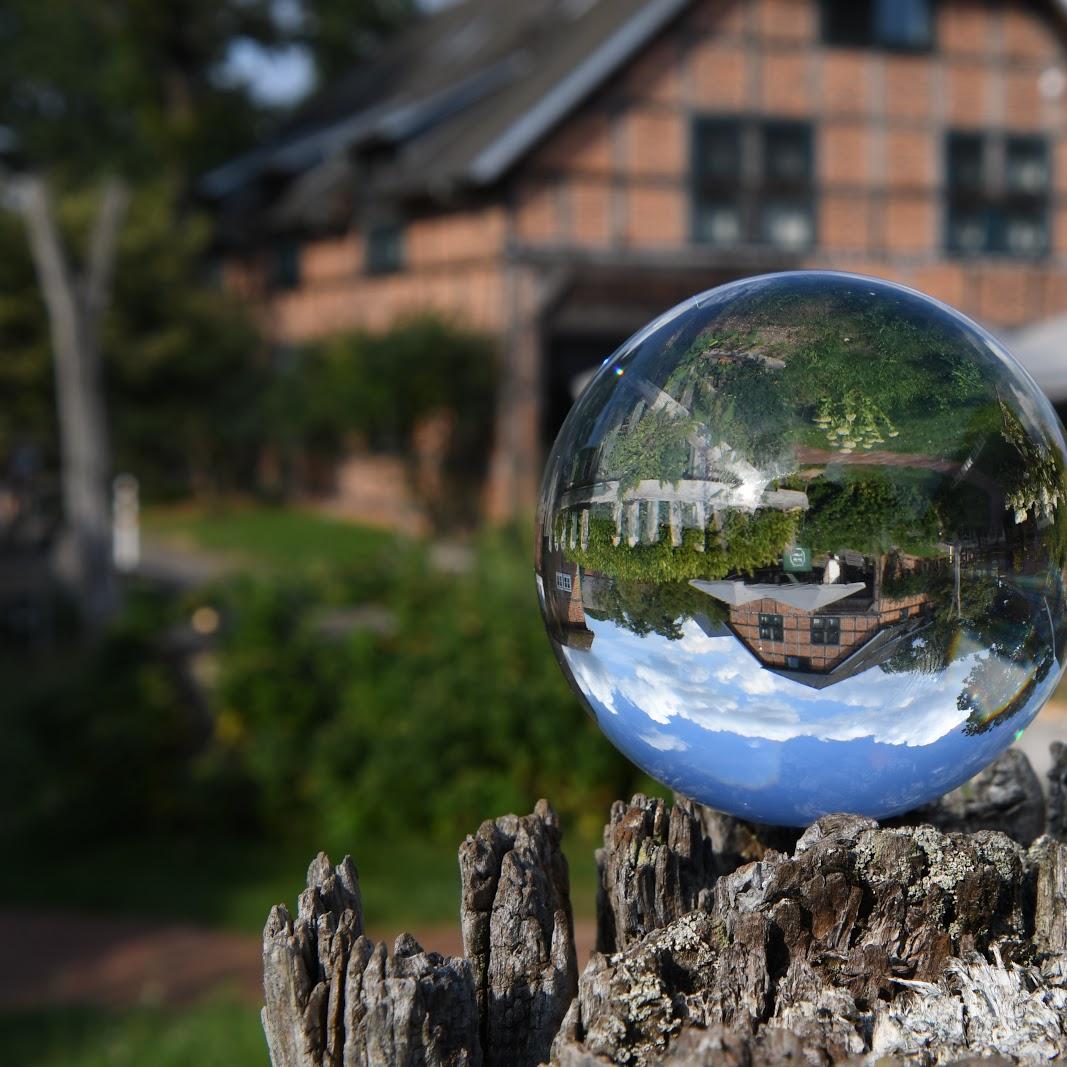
(800, 548)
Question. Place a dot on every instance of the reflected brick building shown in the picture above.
(821, 648)
(564, 610)
(557, 172)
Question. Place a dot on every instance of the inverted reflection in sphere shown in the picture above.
(801, 545)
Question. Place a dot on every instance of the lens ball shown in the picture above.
(801, 546)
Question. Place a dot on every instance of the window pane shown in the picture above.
(847, 21)
(968, 230)
(285, 266)
(385, 248)
(786, 225)
(1026, 165)
(966, 169)
(719, 223)
(1024, 232)
(903, 23)
(787, 153)
(718, 150)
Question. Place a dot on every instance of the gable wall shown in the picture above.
(616, 175)
(452, 267)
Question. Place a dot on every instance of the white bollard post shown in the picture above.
(125, 523)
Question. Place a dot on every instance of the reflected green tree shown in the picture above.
(647, 608)
(872, 514)
(1033, 476)
(656, 448)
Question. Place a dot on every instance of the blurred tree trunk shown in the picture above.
(76, 304)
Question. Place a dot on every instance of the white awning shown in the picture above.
(1042, 350)
(804, 596)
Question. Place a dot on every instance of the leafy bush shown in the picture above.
(745, 542)
(311, 728)
(461, 712)
(107, 742)
(181, 359)
(381, 387)
(869, 514)
(657, 447)
(646, 608)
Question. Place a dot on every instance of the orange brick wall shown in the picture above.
(616, 175)
(614, 178)
(856, 630)
(452, 267)
(472, 295)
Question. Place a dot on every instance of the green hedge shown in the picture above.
(744, 543)
(459, 713)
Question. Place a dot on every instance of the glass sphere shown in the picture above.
(801, 546)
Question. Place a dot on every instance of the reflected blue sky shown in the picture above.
(702, 715)
(802, 544)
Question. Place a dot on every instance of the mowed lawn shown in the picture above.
(277, 537)
(216, 1033)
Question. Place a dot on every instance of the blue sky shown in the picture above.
(279, 77)
(702, 715)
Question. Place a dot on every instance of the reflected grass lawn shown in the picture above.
(940, 435)
(217, 1033)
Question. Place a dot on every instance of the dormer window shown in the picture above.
(905, 25)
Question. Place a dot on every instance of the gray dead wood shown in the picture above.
(732, 944)
(76, 304)
(1057, 791)
(864, 943)
(334, 999)
(658, 858)
(518, 933)
(1005, 796)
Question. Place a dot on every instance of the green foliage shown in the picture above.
(869, 513)
(313, 729)
(107, 743)
(744, 543)
(1035, 480)
(875, 374)
(182, 366)
(343, 31)
(747, 542)
(131, 85)
(381, 386)
(315, 732)
(657, 447)
(333, 731)
(647, 608)
(747, 408)
(218, 1033)
(183, 362)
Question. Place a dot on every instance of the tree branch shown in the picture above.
(103, 250)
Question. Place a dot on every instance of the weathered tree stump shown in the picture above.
(518, 933)
(939, 938)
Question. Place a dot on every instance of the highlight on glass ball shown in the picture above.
(801, 546)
